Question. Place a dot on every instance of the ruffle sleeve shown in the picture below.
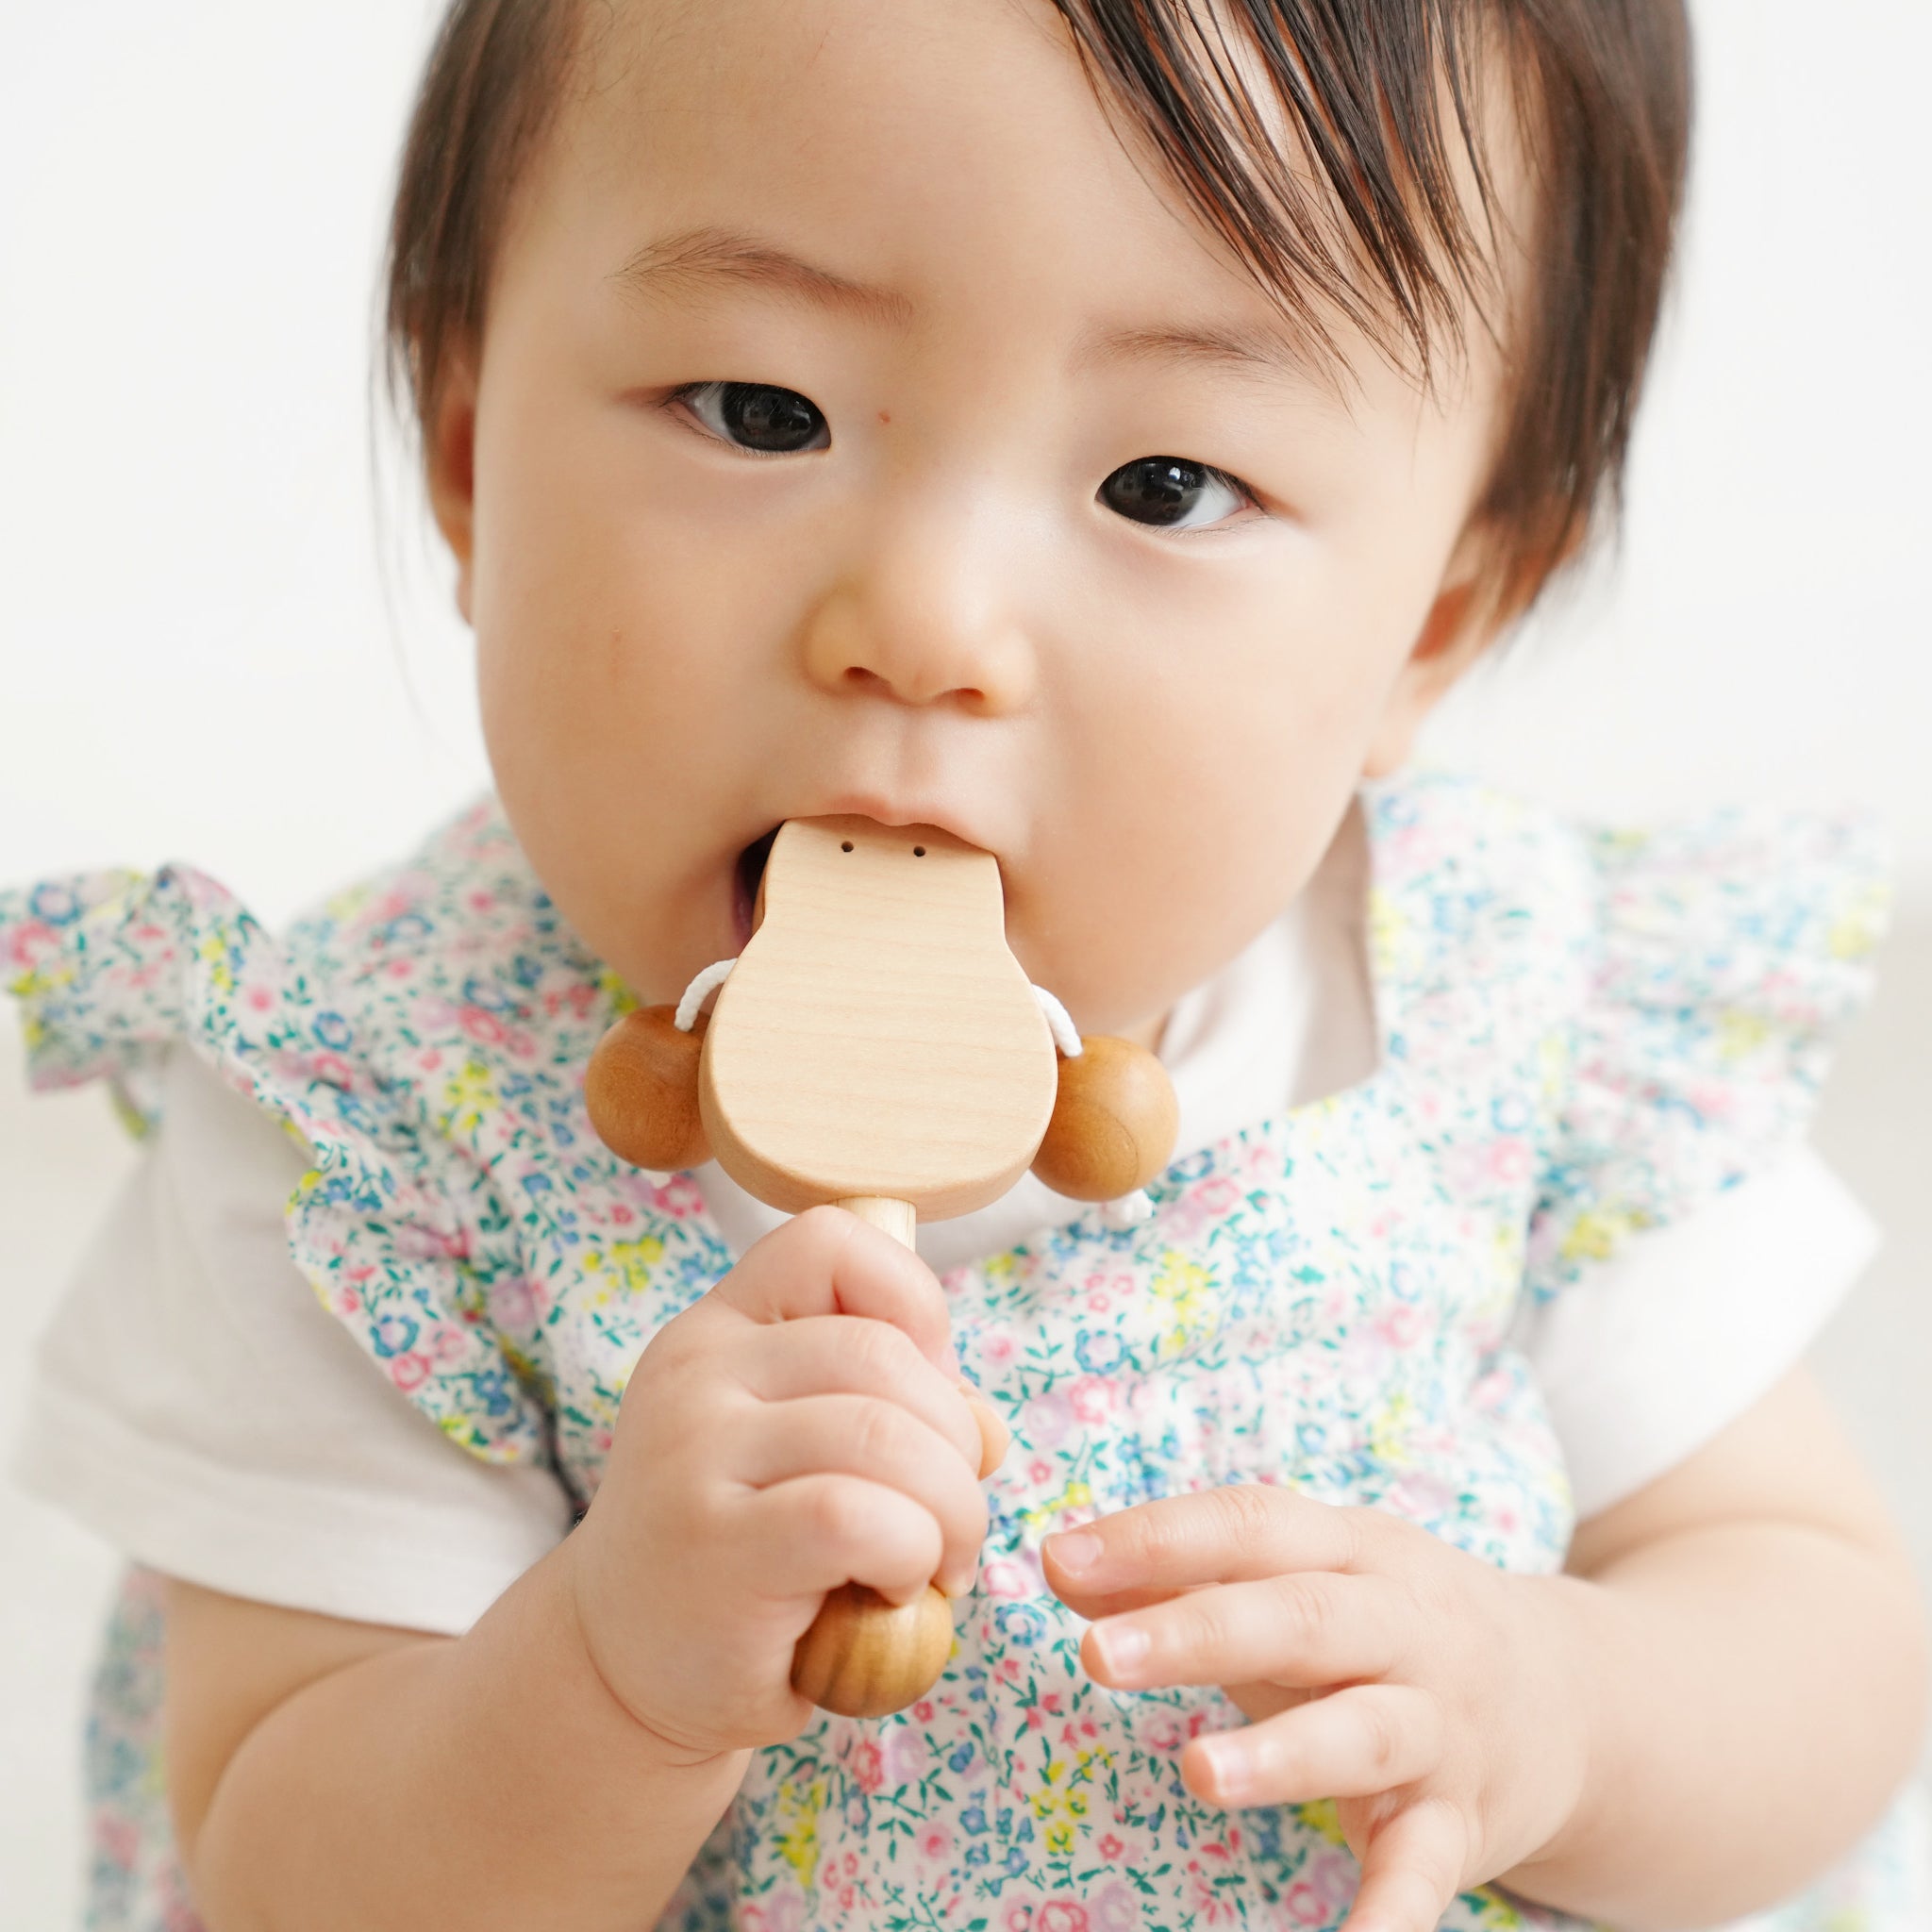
(116, 970)
(1725, 954)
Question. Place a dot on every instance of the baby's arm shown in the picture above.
(325, 1774)
(1753, 1651)
(1713, 1706)
(561, 1763)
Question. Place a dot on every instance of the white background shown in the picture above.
(207, 616)
(200, 661)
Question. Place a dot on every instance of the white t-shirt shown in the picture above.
(195, 1404)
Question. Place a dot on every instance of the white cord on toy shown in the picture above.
(1066, 1036)
(699, 991)
(1129, 1210)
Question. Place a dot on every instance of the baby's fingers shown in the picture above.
(859, 1436)
(1307, 1631)
(1349, 1744)
(1412, 1869)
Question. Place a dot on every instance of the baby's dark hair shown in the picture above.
(1372, 109)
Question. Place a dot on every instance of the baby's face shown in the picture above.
(859, 429)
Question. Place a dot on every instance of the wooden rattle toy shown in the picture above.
(877, 1045)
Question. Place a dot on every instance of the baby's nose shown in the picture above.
(922, 636)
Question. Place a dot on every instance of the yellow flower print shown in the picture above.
(1857, 927)
(614, 989)
(41, 981)
(1598, 1233)
(798, 1838)
(1388, 1430)
(1186, 1285)
(1553, 1067)
(214, 956)
(1739, 1034)
(621, 1268)
(1322, 1818)
(344, 905)
(1393, 943)
(468, 1097)
(1061, 1801)
(1076, 1495)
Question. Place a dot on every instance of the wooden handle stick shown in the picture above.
(878, 1047)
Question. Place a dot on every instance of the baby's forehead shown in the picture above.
(892, 111)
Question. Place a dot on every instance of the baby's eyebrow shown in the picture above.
(722, 255)
(1239, 348)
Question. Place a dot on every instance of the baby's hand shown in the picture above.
(1428, 1692)
(801, 1426)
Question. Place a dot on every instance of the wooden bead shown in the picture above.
(1113, 1124)
(641, 1089)
(864, 1657)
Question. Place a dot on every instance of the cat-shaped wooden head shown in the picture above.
(877, 1038)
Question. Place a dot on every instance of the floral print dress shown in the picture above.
(1584, 1033)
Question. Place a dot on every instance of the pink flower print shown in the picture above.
(782, 1912)
(921, 1711)
(1049, 1419)
(1112, 1908)
(410, 1371)
(1326, 1883)
(482, 1026)
(1509, 1161)
(1399, 1326)
(1004, 1580)
(516, 1302)
(902, 1757)
(935, 1843)
(998, 1349)
(429, 1061)
(1018, 1916)
(1110, 1847)
(1091, 1399)
(867, 1767)
(680, 1198)
(1039, 1470)
(261, 998)
(1060, 1915)
(1160, 1730)
(1207, 1201)
(1209, 1906)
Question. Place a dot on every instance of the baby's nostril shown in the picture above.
(847, 846)
(919, 852)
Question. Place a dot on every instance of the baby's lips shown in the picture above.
(995, 1438)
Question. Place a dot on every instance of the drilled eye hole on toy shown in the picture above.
(804, 1096)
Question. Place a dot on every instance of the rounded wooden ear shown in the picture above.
(1114, 1125)
(641, 1089)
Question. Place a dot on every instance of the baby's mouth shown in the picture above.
(748, 876)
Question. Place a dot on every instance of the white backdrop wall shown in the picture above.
(216, 646)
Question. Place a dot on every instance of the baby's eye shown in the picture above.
(757, 416)
(1173, 493)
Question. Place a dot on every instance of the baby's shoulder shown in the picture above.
(1491, 873)
(463, 902)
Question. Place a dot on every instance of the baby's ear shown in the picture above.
(1472, 609)
(449, 459)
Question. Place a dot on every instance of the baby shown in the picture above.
(1101, 432)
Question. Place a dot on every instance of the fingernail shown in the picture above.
(1120, 1645)
(1074, 1550)
(1228, 1768)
